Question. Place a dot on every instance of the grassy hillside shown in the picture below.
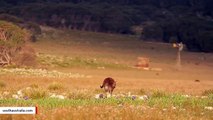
(72, 65)
(117, 49)
(101, 55)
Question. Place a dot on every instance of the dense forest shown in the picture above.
(187, 21)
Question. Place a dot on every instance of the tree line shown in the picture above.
(187, 21)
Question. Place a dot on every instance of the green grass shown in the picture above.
(159, 102)
(67, 62)
(210, 96)
(55, 103)
(158, 93)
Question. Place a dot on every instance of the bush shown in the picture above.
(142, 92)
(197, 38)
(80, 94)
(34, 86)
(11, 18)
(13, 47)
(12, 38)
(206, 41)
(2, 84)
(12, 35)
(35, 93)
(152, 31)
(158, 93)
(32, 27)
(26, 57)
(55, 86)
(207, 92)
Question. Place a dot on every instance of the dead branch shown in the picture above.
(5, 57)
(3, 35)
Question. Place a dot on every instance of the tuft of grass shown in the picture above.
(2, 84)
(55, 86)
(34, 85)
(207, 92)
(98, 90)
(158, 93)
(194, 103)
(35, 93)
(178, 100)
(142, 92)
(80, 94)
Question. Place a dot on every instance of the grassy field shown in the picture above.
(72, 65)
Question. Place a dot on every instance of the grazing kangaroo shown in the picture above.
(109, 85)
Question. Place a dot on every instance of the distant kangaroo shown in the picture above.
(109, 85)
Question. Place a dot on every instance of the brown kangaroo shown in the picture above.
(109, 85)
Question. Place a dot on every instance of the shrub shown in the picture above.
(80, 94)
(35, 93)
(26, 57)
(34, 86)
(2, 84)
(32, 27)
(206, 41)
(55, 86)
(196, 34)
(152, 31)
(207, 92)
(11, 18)
(141, 92)
(12, 38)
(158, 93)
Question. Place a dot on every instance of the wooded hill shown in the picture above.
(188, 21)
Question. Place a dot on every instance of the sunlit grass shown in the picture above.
(34, 93)
(55, 86)
(164, 107)
(207, 92)
(77, 100)
(175, 100)
(66, 62)
(39, 72)
(77, 95)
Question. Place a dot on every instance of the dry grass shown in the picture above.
(208, 92)
(123, 84)
(2, 84)
(34, 93)
(120, 113)
(80, 94)
(55, 86)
